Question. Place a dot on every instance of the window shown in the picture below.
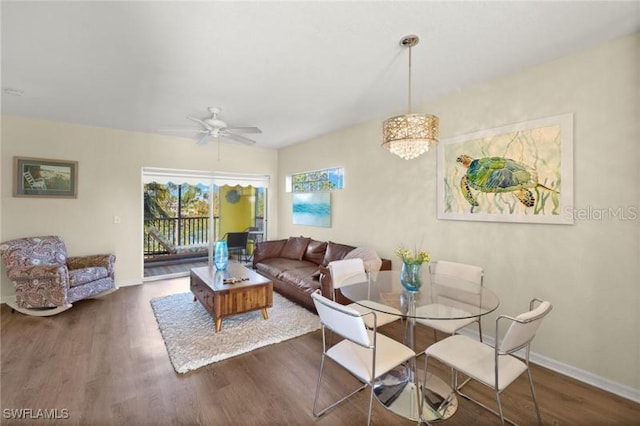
(316, 180)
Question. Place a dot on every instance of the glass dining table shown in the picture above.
(441, 297)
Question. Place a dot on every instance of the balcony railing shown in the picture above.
(187, 231)
(182, 231)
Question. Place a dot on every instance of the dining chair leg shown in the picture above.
(370, 405)
(315, 401)
(500, 407)
(533, 395)
(317, 413)
(454, 379)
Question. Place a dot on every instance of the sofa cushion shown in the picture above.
(335, 251)
(274, 266)
(301, 277)
(267, 250)
(295, 248)
(86, 275)
(315, 251)
(372, 262)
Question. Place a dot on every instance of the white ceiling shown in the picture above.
(295, 69)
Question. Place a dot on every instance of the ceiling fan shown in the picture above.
(214, 127)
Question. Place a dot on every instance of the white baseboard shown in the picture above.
(127, 283)
(570, 371)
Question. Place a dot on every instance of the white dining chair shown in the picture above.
(364, 353)
(348, 269)
(463, 280)
(495, 367)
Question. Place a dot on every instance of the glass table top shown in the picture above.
(440, 297)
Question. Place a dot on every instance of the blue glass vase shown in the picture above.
(411, 276)
(221, 255)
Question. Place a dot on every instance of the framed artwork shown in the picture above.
(44, 178)
(313, 209)
(518, 173)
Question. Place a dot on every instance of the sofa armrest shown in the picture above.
(386, 265)
(104, 260)
(326, 283)
(40, 286)
(38, 272)
(326, 286)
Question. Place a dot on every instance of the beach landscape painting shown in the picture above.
(313, 209)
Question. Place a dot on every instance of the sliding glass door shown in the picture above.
(186, 212)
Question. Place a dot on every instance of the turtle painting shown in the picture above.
(498, 174)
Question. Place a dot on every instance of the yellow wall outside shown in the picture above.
(236, 217)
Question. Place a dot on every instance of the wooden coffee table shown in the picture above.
(222, 300)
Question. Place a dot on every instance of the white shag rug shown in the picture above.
(189, 333)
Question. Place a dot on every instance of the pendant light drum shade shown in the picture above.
(411, 135)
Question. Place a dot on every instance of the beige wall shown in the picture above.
(109, 184)
(589, 270)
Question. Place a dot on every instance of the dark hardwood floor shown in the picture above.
(103, 362)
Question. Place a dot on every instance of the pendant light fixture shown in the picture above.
(411, 135)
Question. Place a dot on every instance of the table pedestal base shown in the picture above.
(398, 393)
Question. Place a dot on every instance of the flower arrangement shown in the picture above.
(415, 257)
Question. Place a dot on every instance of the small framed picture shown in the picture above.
(45, 178)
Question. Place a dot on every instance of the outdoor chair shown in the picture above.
(33, 182)
(495, 367)
(237, 243)
(366, 354)
(163, 241)
(343, 270)
(255, 235)
(47, 282)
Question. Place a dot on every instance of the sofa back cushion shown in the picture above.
(267, 250)
(335, 251)
(34, 251)
(295, 248)
(315, 251)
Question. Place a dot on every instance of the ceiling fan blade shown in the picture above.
(244, 129)
(237, 138)
(200, 122)
(203, 139)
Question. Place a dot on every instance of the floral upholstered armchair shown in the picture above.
(47, 282)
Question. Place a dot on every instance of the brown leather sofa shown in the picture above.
(298, 266)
